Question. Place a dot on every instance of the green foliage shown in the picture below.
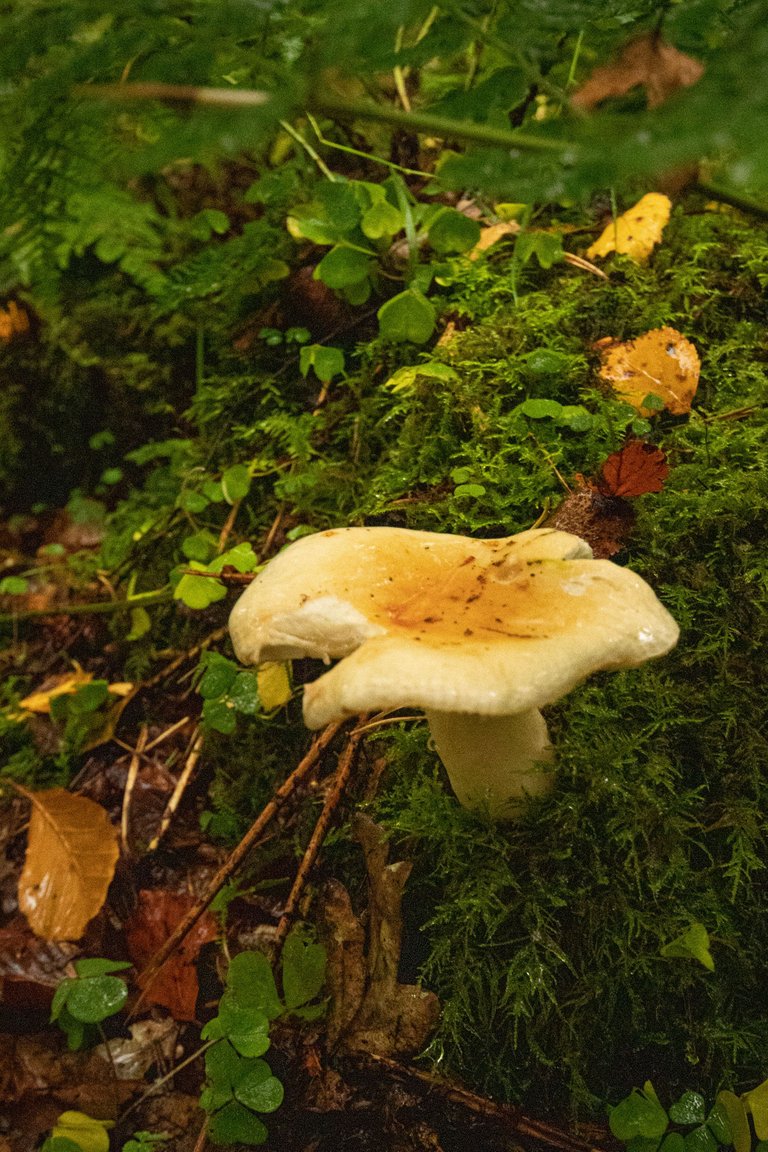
(641, 1122)
(81, 1003)
(145, 1142)
(240, 1085)
(227, 692)
(80, 715)
(200, 591)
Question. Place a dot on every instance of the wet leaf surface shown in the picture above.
(70, 862)
(661, 363)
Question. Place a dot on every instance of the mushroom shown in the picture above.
(479, 634)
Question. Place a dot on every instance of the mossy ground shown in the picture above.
(542, 938)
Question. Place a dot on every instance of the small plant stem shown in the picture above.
(161, 596)
(332, 106)
(236, 858)
(574, 60)
(343, 772)
(393, 167)
(310, 151)
(432, 125)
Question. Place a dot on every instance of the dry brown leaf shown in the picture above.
(637, 231)
(635, 470)
(371, 1011)
(71, 857)
(647, 61)
(660, 362)
(159, 911)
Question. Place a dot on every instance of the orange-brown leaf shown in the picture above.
(648, 62)
(71, 857)
(634, 470)
(660, 362)
(14, 321)
(175, 987)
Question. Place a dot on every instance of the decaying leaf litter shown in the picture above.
(636, 469)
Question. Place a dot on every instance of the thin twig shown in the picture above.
(196, 747)
(167, 1076)
(333, 799)
(130, 784)
(274, 528)
(235, 859)
(228, 525)
(190, 654)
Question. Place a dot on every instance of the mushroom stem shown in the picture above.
(494, 760)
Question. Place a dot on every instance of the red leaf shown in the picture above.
(175, 986)
(635, 469)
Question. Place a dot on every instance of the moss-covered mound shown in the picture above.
(544, 939)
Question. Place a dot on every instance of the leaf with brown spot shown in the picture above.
(634, 470)
(70, 861)
(637, 231)
(648, 62)
(176, 985)
(660, 363)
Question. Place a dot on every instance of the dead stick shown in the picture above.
(270, 538)
(343, 772)
(504, 1113)
(195, 748)
(235, 859)
(130, 784)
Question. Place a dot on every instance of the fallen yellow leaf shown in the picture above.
(491, 235)
(65, 685)
(274, 685)
(87, 1133)
(71, 856)
(660, 363)
(637, 231)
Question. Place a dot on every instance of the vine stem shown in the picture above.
(328, 105)
(160, 596)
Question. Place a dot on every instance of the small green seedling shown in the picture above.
(81, 1003)
(198, 588)
(240, 1086)
(641, 1122)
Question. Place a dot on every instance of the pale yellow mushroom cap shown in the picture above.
(447, 623)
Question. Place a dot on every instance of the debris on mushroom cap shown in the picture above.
(447, 623)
